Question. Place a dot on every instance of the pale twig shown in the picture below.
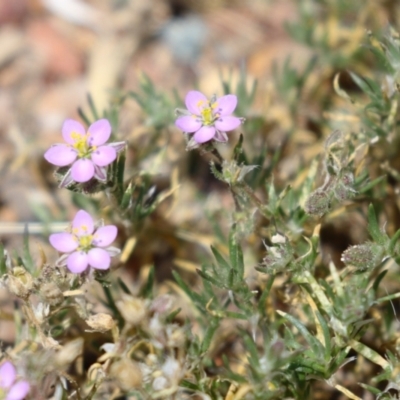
(36, 228)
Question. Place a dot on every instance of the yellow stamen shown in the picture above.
(80, 144)
(85, 242)
(208, 116)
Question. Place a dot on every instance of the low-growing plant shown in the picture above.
(260, 300)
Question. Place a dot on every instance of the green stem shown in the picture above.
(249, 191)
(208, 150)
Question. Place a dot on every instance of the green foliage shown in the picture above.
(3, 266)
(267, 302)
(154, 103)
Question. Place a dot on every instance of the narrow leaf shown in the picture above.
(235, 253)
(26, 257)
(210, 331)
(170, 318)
(378, 280)
(147, 290)
(123, 286)
(220, 259)
(92, 106)
(373, 226)
(209, 278)
(316, 346)
(265, 294)
(238, 153)
(83, 116)
(196, 298)
(393, 242)
(326, 333)
(3, 266)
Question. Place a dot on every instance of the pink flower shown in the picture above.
(208, 119)
(87, 152)
(85, 245)
(10, 388)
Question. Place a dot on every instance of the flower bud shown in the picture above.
(363, 256)
(343, 189)
(279, 255)
(100, 322)
(319, 203)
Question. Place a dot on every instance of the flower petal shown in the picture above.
(63, 242)
(60, 155)
(99, 258)
(227, 123)
(100, 173)
(71, 127)
(99, 132)
(62, 260)
(67, 180)
(225, 105)
(105, 235)
(18, 391)
(82, 223)
(82, 170)
(188, 124)
(7, 374)
(118, 146)
(204, 134)
(77, 262)
(221, 136)
(112, 251)
(104, 155)
(195, 101)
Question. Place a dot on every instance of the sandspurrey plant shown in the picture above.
(259, 263)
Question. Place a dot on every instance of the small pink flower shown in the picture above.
(87, 152)
(85, 245)
(10, 387)
(208, 119)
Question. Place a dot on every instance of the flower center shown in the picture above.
(81, 144)
(85, 242)
(207, 114)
